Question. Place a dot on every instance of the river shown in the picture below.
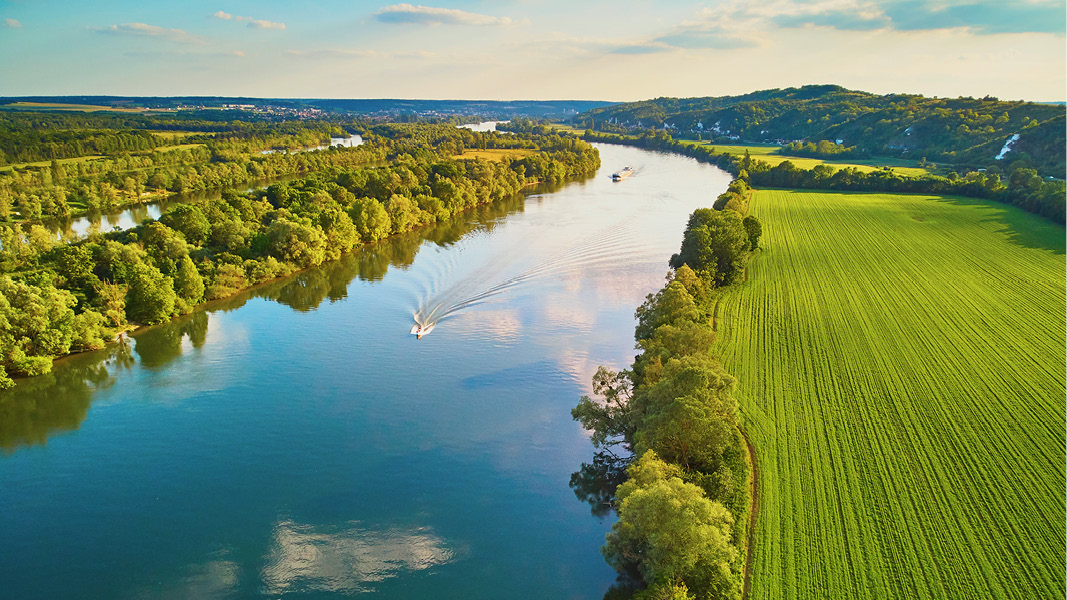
(297, 440)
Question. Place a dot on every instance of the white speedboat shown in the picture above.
(419, 330)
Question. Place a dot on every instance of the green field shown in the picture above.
(73, 107)
(769, 154)
(901, 366)
(46, 163)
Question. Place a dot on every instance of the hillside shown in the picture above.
(967, 132)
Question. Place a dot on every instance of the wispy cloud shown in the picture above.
(264, 24)
(12, 23)
(350, 53)
(976, 16)
(253, 23)
(152, 31)
(429, 15)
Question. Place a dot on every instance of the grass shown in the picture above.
(48, 163)
(901, 366)
(496, 154)
(769, 154)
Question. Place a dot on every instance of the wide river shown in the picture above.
(297, 440)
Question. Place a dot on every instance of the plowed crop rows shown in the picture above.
(901, 366)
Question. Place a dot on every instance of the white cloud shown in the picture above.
(253, 23)
(12, 23)
(428, 15)
(264, 24)
(154, 31)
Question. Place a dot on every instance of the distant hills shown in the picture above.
(964, 131)
(369, 107)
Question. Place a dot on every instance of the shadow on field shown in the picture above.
(1020, 227)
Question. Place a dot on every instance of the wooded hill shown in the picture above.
(968, 132)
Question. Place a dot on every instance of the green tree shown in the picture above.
(189, 220)
(370, 218)
(297, 243)
(188, 283)
(668, 531)
(151, 297)
(754, 230)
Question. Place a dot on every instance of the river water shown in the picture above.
(296, 440)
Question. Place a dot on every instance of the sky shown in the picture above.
(619, 50)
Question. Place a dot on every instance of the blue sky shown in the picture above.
(532, 49)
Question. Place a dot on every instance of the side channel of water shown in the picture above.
(298, 440)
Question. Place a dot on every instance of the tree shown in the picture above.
(714, 246)
(672, 304)
(189, 220)
(685, 432)
(297, 243)
(609, 421)
(151, 296)
(188, 283)
(370, 218)
(754, 230)
(668, 530)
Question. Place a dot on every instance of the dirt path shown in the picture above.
(754, 491)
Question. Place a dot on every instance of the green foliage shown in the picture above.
(188, 283)
(668, 529)
(189, 220)
(38, 323)
(672, 304)
(714, 246)
(686, 432)
(754, 230)
(151, 296)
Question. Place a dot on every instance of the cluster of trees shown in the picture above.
(821, 149)
(683, 499)
(1023, 187)
(57, 298)
(680, 485)
(966, 131)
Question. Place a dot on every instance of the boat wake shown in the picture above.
(608, 247)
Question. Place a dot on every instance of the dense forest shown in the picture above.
(967, 132)
(58, 297)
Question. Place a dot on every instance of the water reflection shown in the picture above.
(347, 559)
(39, 407)
(216, 578)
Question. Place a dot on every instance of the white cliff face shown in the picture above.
(1007, 146)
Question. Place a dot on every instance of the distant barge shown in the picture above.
(623, 174)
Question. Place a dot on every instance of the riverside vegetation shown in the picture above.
(671, 459)
(58, 297)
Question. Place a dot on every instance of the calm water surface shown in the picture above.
(297, 441)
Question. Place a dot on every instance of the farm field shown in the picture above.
(901, 367)
(769, 155)
(75, 107)
(495, 154)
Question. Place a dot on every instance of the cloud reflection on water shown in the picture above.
(304, 558)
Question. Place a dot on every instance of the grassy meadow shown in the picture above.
(769, 154)
(901, 366)
(495, 154)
